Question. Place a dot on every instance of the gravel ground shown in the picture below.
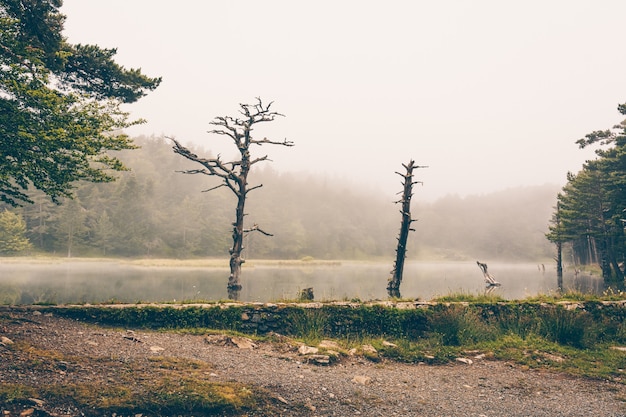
(352, 386)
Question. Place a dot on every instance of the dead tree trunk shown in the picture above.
(234, 174)
(393, 285)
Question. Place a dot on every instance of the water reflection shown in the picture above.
(96, 282)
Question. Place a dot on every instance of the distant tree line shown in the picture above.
(153, 211)
(590, 214)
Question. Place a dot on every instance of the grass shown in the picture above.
(168, 386)
(462, 297)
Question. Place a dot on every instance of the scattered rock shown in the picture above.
(369, 349)
(243, 342)
(318, 359)
(307, 350)
(156, 349)
(28, 411)
(329, 344)
(36, 401)
(620, 348)
(281, 399)
(465, 360)
(224, 340)
(5, 341)
(132, 338)
(389, 344)
(217, 339)
(361, 379)
(551, 357)
(130, 335)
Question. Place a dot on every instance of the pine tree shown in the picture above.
(13, 233)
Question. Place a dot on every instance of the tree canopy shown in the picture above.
(59, 104)
(592, 204)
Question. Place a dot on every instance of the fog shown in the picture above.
(70, 281)
(154, 211)
(490, 95)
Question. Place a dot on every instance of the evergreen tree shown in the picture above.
(593, 202)
(12, 233)
(59, 103)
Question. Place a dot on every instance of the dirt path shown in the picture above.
(80, 353)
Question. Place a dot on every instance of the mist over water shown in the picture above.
(100, 282)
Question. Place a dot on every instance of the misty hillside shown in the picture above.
(152, 210)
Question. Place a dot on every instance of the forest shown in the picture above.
(153, 210)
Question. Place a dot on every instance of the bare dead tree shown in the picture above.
(393, 285)
(234, 174)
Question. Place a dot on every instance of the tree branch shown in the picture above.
(255, 228)
(271, 142)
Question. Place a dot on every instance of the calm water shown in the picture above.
(94, 282)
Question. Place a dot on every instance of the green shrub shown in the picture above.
(567, 327)
(460, 325)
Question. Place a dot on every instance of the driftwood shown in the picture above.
(489, 279)
(306, 295)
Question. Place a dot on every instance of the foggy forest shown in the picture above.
(153, 210)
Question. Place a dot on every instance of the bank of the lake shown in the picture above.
(427, 359)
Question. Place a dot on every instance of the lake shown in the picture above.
(98, 282)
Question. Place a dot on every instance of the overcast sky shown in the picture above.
(490, 94)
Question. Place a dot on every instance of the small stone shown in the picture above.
(29, 411)
(36, 401)
(307, 350)
(243, 342)
(620, 348)
(156, 349)
(368, 349)
(318, 359)
(329, 344)
(5, 341)
(389, 344)
(465, 360)
(361, 379)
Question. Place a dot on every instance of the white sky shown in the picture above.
(490, 94)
